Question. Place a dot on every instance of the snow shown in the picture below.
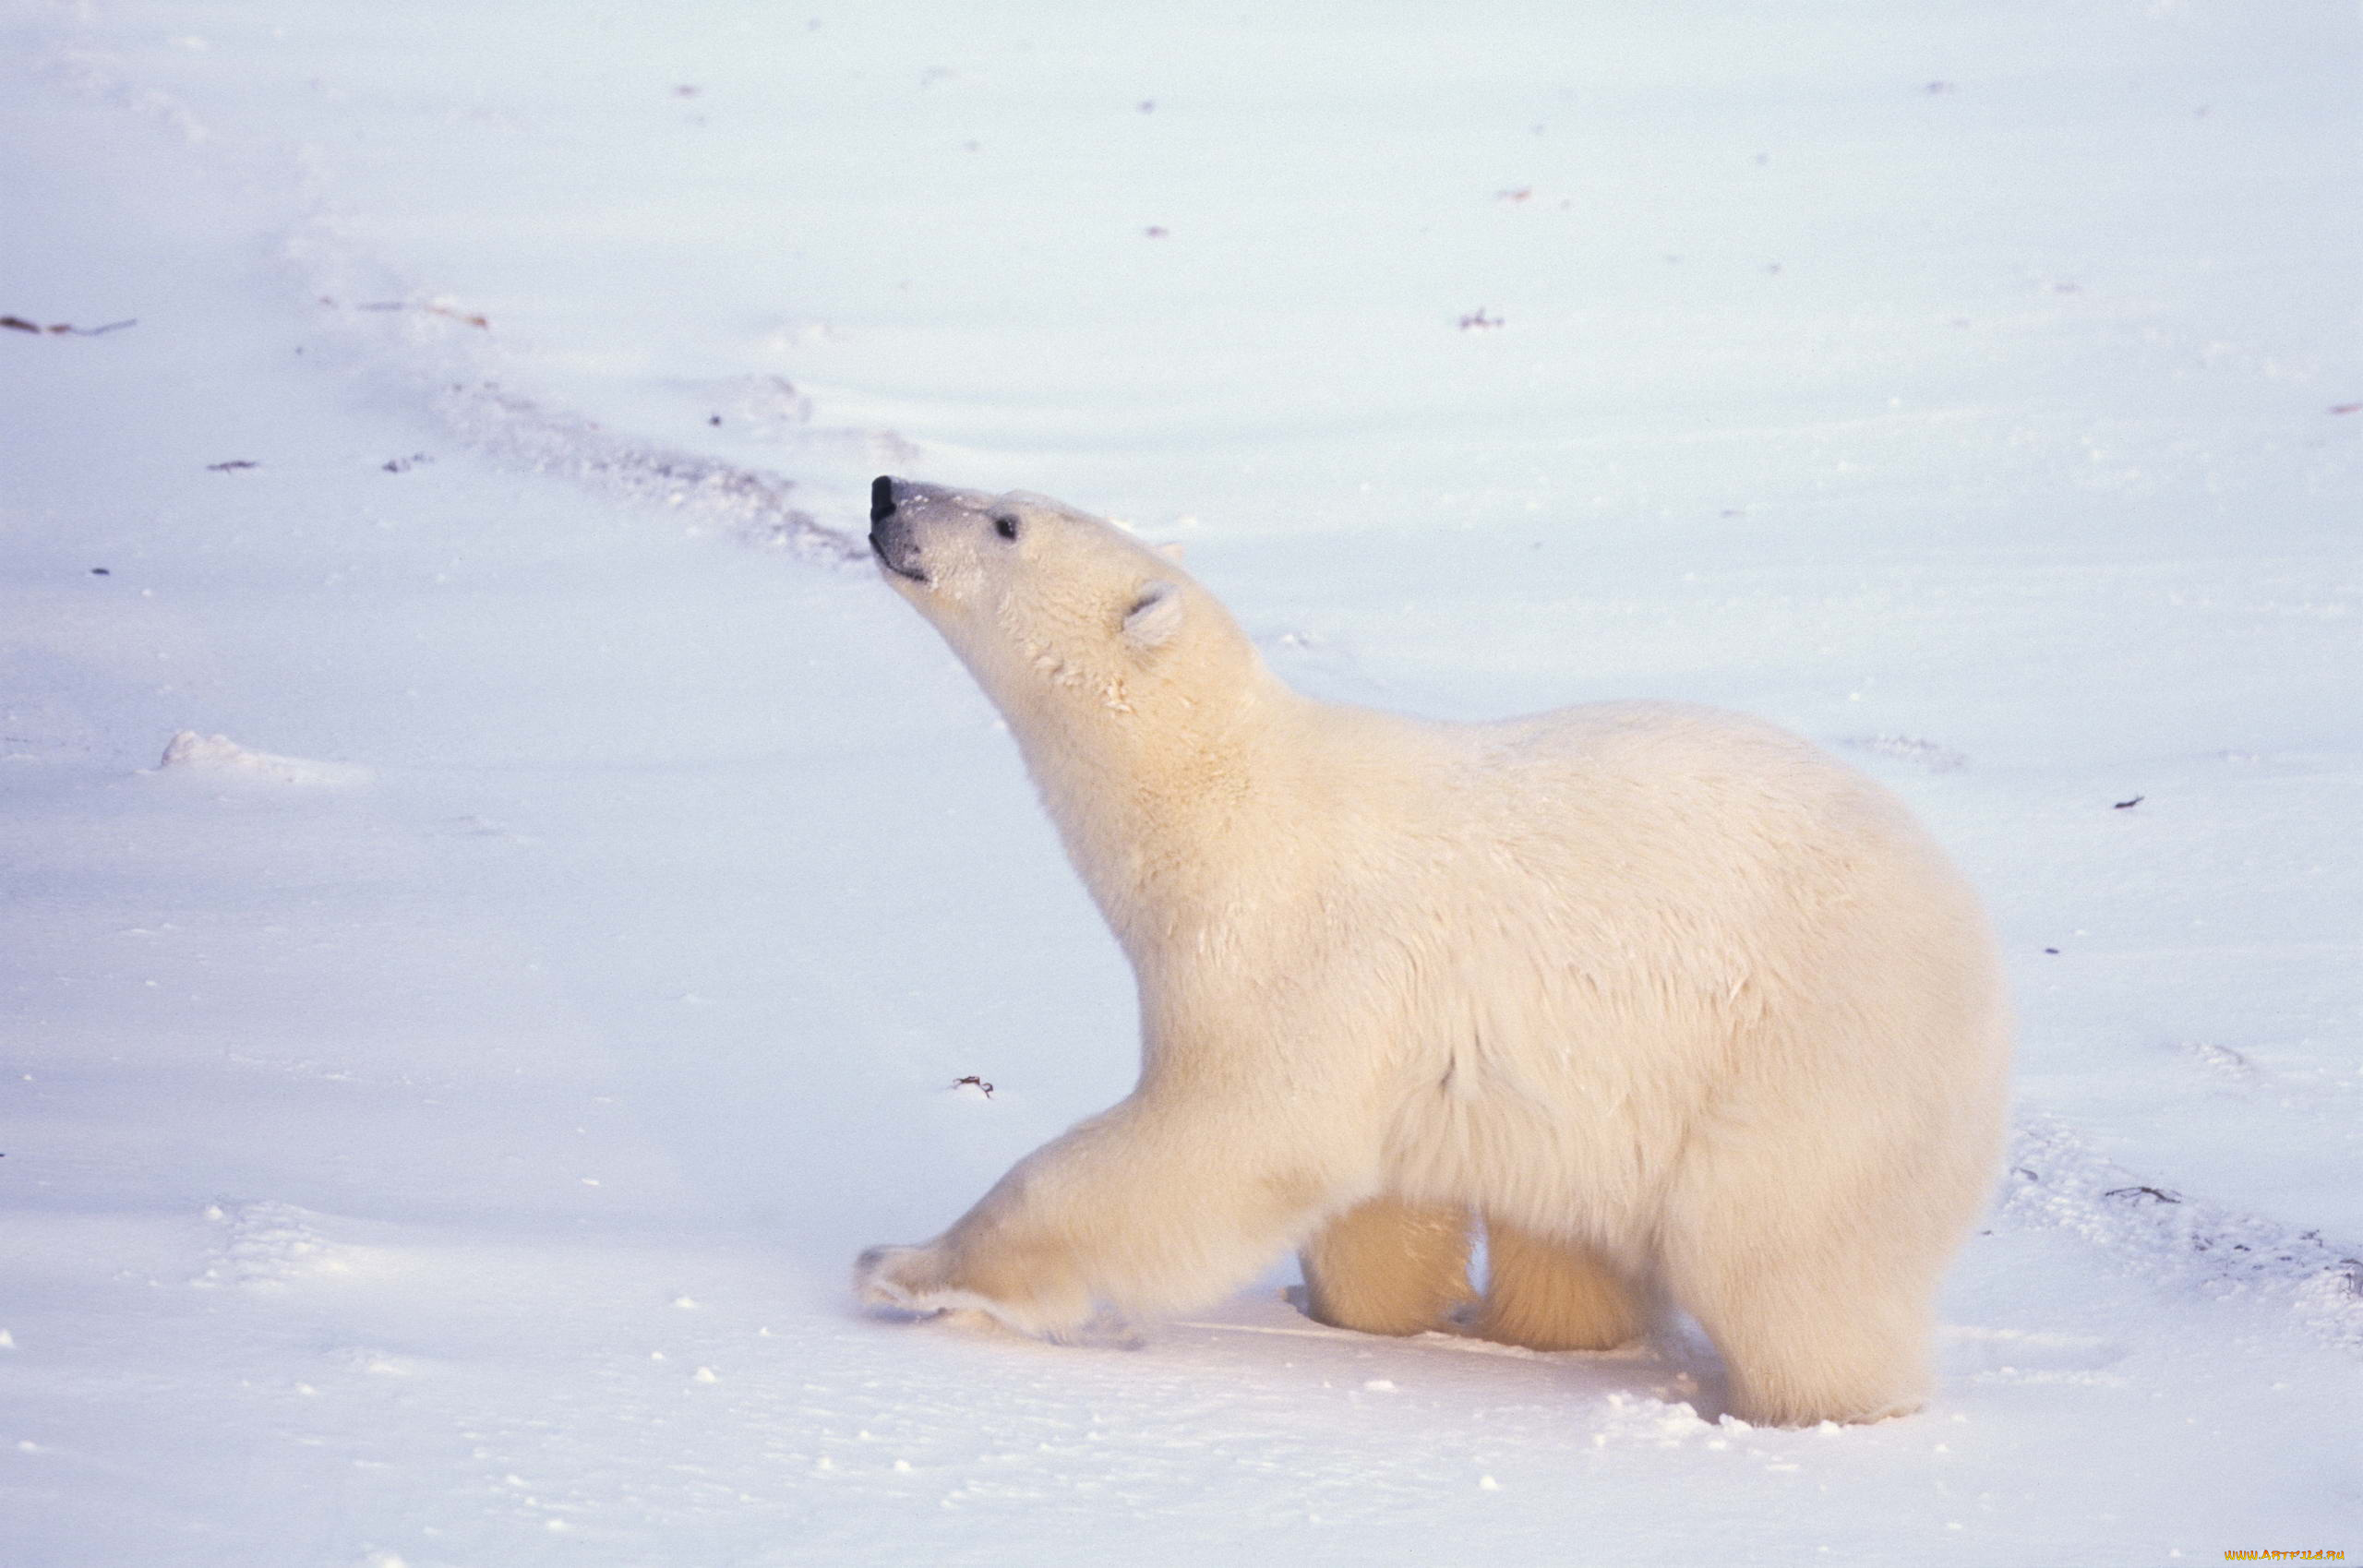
(499, 900)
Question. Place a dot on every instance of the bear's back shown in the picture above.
(1628, 806)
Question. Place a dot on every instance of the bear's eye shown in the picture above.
(1006, 527)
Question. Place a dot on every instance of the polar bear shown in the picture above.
(1681, 1012)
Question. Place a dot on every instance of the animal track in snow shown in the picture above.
(522, 432)
(2024, 1356)
(1920, 753)
(2056, 1182)
(2241, 1074)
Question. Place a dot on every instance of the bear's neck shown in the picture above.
(1164, 814)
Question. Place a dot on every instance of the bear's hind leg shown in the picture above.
(1388, 1267)
(1798, 1359)
(1550, 1295)
(1813, 1333)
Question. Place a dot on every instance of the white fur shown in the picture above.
(1679, 1006)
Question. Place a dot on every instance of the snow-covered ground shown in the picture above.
(438, 1119)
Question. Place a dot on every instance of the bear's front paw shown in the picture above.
(929, 1281)
(910, 1278)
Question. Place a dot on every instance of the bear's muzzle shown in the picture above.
(890, 535)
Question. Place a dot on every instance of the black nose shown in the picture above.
(881, 497)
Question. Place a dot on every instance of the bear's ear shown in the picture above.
(1154, 616)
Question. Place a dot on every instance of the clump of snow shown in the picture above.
(269, 1244)
(219, 754)
(1631, 1420)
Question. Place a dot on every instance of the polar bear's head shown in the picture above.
(1058, 614)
